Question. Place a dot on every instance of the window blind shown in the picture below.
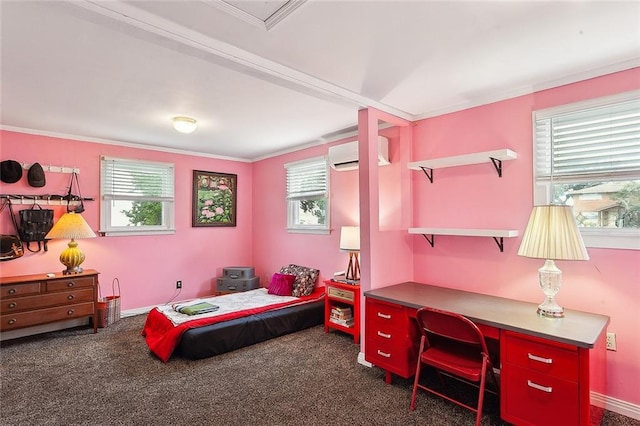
(593, 144)
(136, 180)
(306, 179)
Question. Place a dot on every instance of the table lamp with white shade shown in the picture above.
(552, 234)
(350, 241)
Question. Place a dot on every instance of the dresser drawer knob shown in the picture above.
(70, 312)
(547, 389)
(384, 354)
(13, 305)
(385, 316)
(539, 358)
(385, 335)
(12, 291)
(71, 284)
(70, 297)
(11, 321)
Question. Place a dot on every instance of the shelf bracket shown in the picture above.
(428, 173)
(430, 241)
(500, 243)
(498, 165)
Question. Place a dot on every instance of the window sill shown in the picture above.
(618, 239)
(317, 231)
(138, 232)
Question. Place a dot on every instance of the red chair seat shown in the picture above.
(459, 363)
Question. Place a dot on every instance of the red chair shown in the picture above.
(452, 344)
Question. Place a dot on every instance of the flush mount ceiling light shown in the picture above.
(184, 124)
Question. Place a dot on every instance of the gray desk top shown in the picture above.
(577, 328)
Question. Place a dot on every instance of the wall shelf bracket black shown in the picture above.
(498, 165)
(500, 242)
(430, 241)
(428, 172)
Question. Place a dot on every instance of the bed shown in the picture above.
(242, 319)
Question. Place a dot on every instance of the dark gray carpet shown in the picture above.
(74, 377)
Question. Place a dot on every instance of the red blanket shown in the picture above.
(163, 336)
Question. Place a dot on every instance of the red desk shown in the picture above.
(547, 365)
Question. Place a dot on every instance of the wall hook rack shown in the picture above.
(44, 200)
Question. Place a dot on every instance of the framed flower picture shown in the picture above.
(214, 199)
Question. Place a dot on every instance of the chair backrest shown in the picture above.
(451, 326)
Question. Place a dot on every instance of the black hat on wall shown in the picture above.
(36, 176)
(10, 171)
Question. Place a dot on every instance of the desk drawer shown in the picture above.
(384, 316)
(539, 355)
(400, 360)
(69, 283)
(43, 316)
(46, 300)
(534, 398)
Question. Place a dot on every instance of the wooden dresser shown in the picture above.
(31, 300)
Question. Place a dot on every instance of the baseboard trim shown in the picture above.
(616, 405)
(134, 312)
(363, 361)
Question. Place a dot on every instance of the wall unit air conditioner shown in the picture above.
(345, 156)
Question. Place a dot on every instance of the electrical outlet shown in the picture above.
(178, 285)
(611, 342)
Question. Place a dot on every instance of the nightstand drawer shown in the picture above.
(550, 358)
(338, 293)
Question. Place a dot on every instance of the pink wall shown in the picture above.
(146, 266)
(474, 197)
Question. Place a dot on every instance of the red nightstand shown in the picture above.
(342, 308)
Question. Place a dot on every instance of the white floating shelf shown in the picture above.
(466, 232)
(496, 234)
(463, 160)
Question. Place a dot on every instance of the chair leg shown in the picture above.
(417, 378)
(414, 393)
(483, 380)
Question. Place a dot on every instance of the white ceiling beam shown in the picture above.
(131, 15)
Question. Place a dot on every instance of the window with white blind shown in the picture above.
(308, 196)
(137, 197)
(587, 155)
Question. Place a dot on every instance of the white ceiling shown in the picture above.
(263, 77)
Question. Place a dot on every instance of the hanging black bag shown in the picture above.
(35, 224)
(70, 197)
(10, 245)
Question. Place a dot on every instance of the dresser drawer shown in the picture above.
(69, 283)
(534, 398)
(338, 293)
(20, 289)
(43, 316)
(45, 300)
(539, 355)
